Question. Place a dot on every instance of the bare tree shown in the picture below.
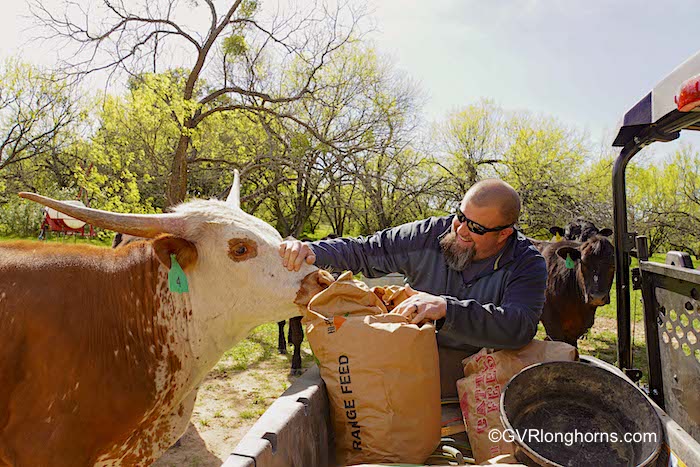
(35, 112)
(469, 143)
(236, 61)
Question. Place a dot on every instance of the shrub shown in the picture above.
(19, 218)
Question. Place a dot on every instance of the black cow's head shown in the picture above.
(594, 261)
(581, 230)
(557, 233)
(578, 230)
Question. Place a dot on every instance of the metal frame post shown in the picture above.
(623, 247)
(651, 327)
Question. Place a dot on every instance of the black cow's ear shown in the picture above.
(605, 232)
(554, 230)
(565, 251)
(117, 240)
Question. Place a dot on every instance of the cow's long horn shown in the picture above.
(234, 196)
(140, 225)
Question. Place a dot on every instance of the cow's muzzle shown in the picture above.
(311, 285)
(598, 299)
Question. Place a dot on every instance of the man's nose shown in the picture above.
(463, 230)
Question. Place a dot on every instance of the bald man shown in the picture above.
(472, 272)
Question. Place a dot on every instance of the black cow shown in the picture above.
(573, 294)
(295, 337)
(578, 230)
(296, 333)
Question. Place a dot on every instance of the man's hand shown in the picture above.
(421, 307)
(294, 253)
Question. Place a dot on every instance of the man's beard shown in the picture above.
(457, 257)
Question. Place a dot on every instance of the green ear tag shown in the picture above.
(177, 280)
(569, 262)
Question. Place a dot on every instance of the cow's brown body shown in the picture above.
(96, 354)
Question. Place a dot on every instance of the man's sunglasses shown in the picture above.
(475, 227)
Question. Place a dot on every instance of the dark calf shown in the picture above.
(574, 294)
(295, 337)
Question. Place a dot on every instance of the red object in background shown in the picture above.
(56, 222)
(689, 97)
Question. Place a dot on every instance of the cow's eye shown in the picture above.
(241, 249)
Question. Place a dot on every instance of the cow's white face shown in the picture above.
(238, 280)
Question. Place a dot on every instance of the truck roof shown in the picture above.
(659, 104)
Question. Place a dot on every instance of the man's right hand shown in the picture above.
(294, 253)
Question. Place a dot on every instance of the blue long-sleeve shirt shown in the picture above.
(497, 308)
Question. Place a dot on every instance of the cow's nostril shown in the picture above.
(325, 278)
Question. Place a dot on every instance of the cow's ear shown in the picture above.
(554, 230)
(605, 232)
(565, 251)
(185, 252)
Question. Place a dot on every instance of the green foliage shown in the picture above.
(235, 45)
(40, 118)
(248, 8)
(472, 142)
(544, 162)
(20, 218)
(664, 201)
(130, 154)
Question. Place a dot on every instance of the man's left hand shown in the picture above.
(421, 307)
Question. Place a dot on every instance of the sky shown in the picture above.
(583, 62)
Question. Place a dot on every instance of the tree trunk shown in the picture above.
(177, 184)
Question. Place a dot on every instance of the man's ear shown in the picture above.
(185, 252)
(605, 232)
(505, 233)
(564, 251)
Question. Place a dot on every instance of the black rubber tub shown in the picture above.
(576, 414)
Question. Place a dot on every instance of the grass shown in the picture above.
(261, 345)
(251, 414)
(610, 310)
(67, 239)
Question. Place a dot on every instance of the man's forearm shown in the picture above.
(486, 325)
